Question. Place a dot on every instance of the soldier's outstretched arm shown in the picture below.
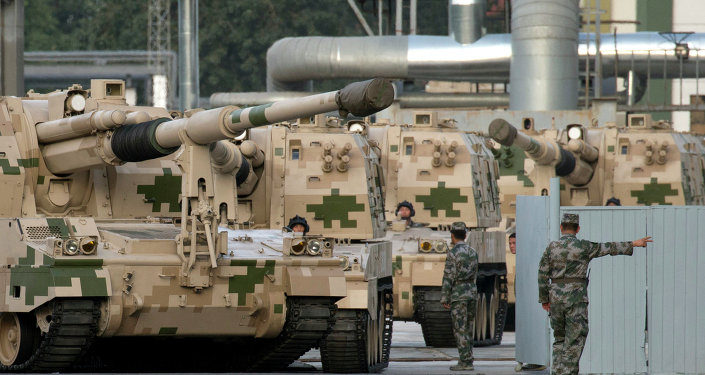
(596, 249)
(642, 241)
(544, 274)
(449, 273)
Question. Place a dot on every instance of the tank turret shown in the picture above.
(568, 165)
(101, 137)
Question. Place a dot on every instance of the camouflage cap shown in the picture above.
(458, 225)
(571, 219)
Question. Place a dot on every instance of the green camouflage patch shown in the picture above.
(610, 148)
(40, 180)
(442, 198)
(166, 189)
(396, 265)
(511, 163)
(7, 168)
(257, 116)
(278, 151)
(278, 308)
(654, 193)
(168, 330)
(336, 207)
(58, 226)
(404, 295)
(38, 280)
(235, 116)
(28, 163)
(243, 284)
(393, 148)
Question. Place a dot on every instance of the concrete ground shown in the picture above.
(410, 356)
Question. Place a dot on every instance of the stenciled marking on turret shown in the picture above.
(511, 163)
(336, 207)
(166, 189)
(442, 198)
(37, 279)
(243, 284)
(654, 193)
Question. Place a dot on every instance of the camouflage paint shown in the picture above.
(654, 193)
(243, 284)
(59, 225)
(442, 198)
(168, 330)
(38, 279)
(7, 168)
(514, 165)
(166, 189)
(396, 265)
(336, 207)
(28, 163)
(257, 116)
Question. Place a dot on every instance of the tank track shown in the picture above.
(73, 327)
(308, 320)
(345, 349)
(434, 319)
(500, 316)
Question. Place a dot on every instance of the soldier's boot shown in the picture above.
(461, 366)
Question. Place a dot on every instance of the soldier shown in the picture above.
(513, 243)
(459, 293)
(565, 263)
(613, 202)
(298, 224)
(406, 211)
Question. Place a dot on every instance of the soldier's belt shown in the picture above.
(568, 280)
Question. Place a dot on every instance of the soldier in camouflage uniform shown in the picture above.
(565, 263)
(459, 293)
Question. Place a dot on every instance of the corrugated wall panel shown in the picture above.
(676, 279)
(532, 334)
(617, 292)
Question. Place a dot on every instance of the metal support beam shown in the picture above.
(360, 18)
(12, 47)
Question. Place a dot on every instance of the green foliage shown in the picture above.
(233, 35)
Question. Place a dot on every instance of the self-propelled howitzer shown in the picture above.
(90, 257)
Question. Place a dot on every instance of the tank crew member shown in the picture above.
(459, 293)
(565, 264)
(298, 224)
(406, 211)
(613, 202)
(513, 243)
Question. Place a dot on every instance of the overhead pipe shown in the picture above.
(293, 62)
(465, 20)
(544, 61)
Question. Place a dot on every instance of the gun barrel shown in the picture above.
(359, 98)
(574, 170)
(77, 126)
(71, 139)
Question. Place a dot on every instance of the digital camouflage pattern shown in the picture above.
(463, 315)
(459, 290)
(565, 263)
(460, 274)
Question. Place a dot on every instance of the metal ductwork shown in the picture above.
(544, 67)
(188, 54)
(293, 62)
(465, 20)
